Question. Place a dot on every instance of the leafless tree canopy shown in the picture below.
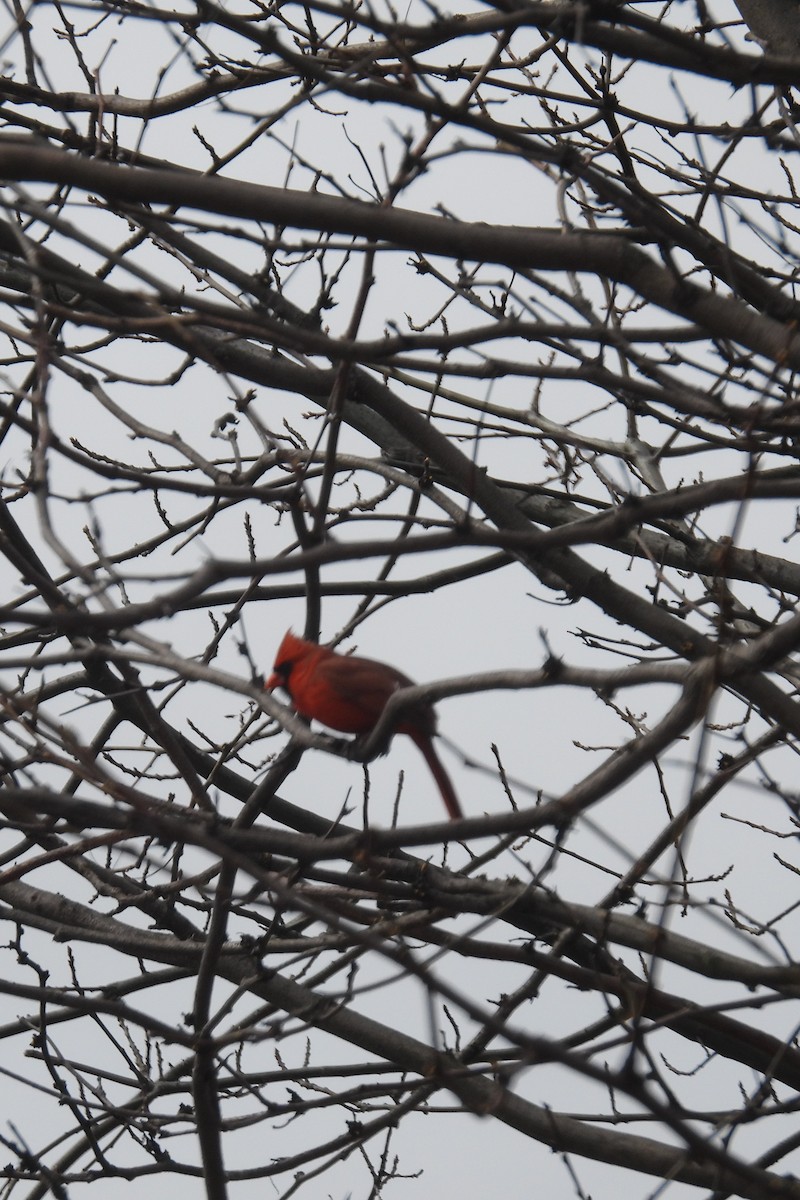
(311, 308)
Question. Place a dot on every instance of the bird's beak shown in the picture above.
(273, 681)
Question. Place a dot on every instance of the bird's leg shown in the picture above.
(364, 748)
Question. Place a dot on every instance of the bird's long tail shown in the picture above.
(439, 774)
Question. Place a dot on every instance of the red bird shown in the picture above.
(349, 694)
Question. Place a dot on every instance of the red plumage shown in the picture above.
(349, 694)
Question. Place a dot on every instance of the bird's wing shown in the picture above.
(362, 681)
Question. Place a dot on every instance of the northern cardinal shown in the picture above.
(349, 694)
